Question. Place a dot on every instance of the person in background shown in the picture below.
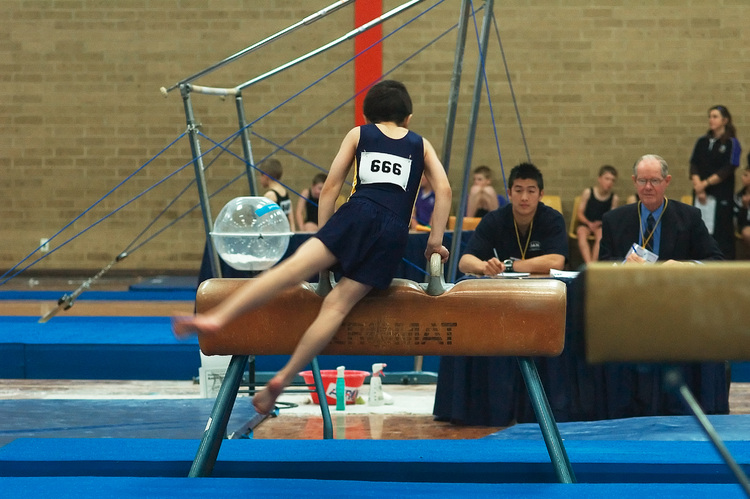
(595, 202)
(424, 205)
(742, 206)
(677, 234)
(668, 228)
(275, 191)
(307, 206)
(482, 196)
(524, 236)
(715, 157)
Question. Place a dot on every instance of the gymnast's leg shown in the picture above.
(336, 306)
(311, 257)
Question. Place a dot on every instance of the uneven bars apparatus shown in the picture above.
(192, 125)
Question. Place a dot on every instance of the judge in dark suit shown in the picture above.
(676, 233)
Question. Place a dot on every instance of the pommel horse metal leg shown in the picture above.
(216, 429)
(546, 420)
(205, 458)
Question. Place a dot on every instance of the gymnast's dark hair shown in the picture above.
(526, 171)
(387, 100)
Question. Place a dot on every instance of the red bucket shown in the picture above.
(352, 379)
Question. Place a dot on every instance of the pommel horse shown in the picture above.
(482, 317)
(669, 314)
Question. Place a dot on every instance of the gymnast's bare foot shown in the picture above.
(184, 327)
(265, 400)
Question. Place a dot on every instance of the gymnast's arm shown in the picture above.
(435, 173)
(541, 264)
(337, 176)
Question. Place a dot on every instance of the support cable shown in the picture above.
(67, 300)
(3, 279)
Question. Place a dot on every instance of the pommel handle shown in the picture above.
(436, 282)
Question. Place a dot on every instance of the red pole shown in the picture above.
(368, 67)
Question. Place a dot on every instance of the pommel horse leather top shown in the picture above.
(484, 317)
(665, 313)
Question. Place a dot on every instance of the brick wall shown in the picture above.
(594, 82)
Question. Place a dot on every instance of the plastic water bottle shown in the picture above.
(340, 389)
(376, 386)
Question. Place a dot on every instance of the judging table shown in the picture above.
(488, 391)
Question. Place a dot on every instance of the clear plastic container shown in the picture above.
(251, 233)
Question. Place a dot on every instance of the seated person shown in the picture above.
(482, 196)
(524, 236)
(677, 234)
(307, 206)
(595, 202)
(423, 206)
(275, 191)
(742, 206)
(676, 231)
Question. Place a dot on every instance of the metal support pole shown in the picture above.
(200, 179)
(208, 451)
(322, 400)
(478, 80)
(247, 149)
(325, 285)
(546, 419)
(674, 381)
(458, 62)
(304, 22)
(348, 36)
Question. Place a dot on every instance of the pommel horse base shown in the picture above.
(482, 317)
(669, 314)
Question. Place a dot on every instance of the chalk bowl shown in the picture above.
(352, 379)
(251, 233)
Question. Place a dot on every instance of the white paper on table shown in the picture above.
(564, 273)
(639, 250)
(708, 212)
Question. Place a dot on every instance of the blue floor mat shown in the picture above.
(98, 487)
(685, 428)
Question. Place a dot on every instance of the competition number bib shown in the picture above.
(379, 167)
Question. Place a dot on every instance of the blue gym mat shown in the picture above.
(95, 348)
(469, 461)
(139, 488)
(131, 348)
(655, 428)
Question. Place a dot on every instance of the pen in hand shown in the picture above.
(496, 255)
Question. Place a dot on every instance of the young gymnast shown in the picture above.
(365, 239)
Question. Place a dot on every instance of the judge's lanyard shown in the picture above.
(645, 240)
(518, 238)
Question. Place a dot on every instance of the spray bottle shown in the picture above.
(376, 385)
(340, 389)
